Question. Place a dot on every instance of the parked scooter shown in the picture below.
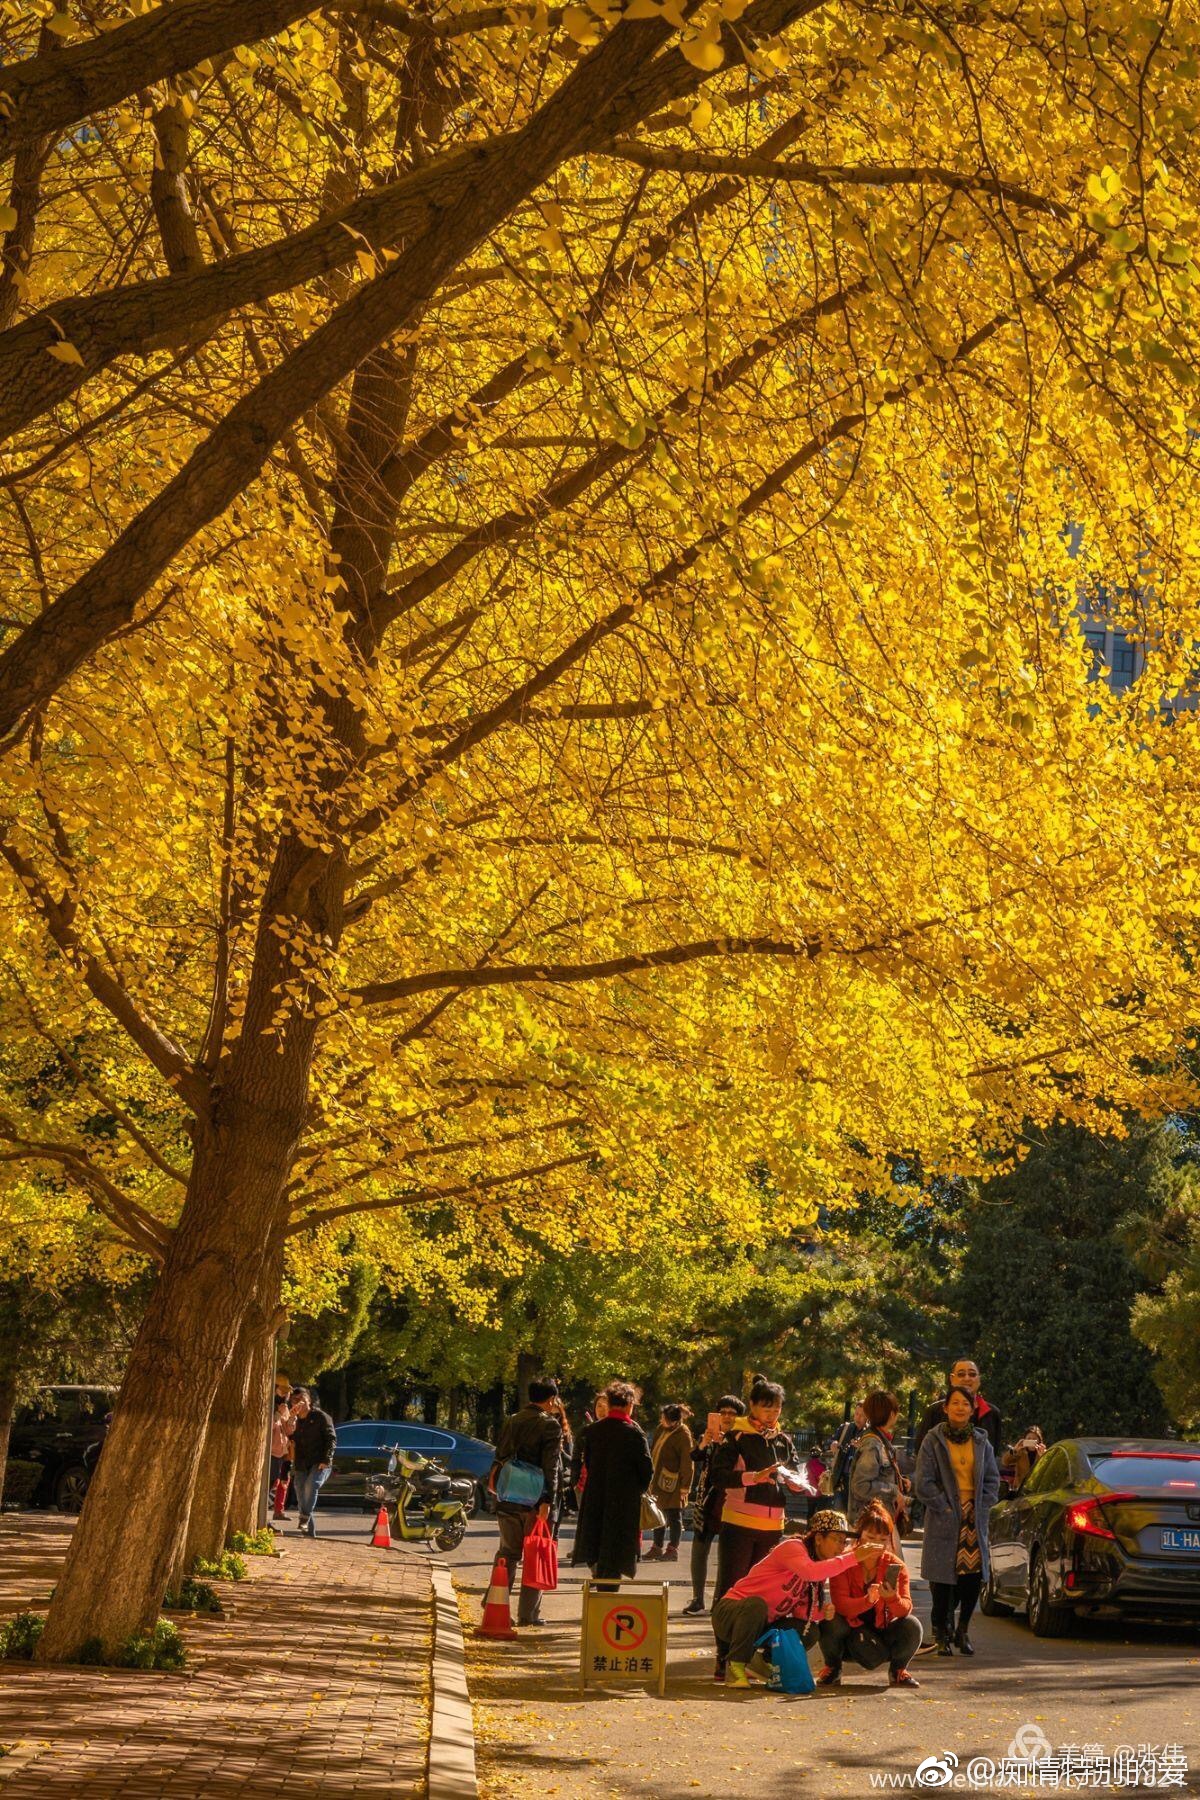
(427, 1504)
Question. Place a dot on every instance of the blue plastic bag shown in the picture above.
(789, 1659)
(520, 1484)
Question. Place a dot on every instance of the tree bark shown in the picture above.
(126, 1543)
(254, 1445)
(246, 1501)
(235, 1443)
(48, 92)
(213, 1491)
(528, 1368)
(8, 1406)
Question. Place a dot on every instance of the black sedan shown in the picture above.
(61, 1431)
(1100, 1526)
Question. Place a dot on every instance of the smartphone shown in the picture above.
(891, 1578)
(715, 1428)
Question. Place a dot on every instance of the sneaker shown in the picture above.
(693, 1608)
(829, 1677)
(719, 1670)
(671, 1555)
(302, 1522)
(653, 1555)
(736, 1676)
(943, 1646)
(758, 1668)
(901, 1678)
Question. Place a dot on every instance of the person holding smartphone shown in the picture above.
(708, 1501)
(870, 1617)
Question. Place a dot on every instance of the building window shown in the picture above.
(1124, 660)
(1094, 638)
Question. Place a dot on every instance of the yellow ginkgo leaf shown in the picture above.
(703, 52)
(65, 353)
(8, 218)
(581, 25)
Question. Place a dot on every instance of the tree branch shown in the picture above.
(421, 1151)
(148, 1148)
(383, 993)
(55, 89)
(432, 1196)
(608, 91)
(508, 527)
(822, 175)
(633, 271)
(168, 191)
(512, 707)
(143, 1230)
(166, 1057)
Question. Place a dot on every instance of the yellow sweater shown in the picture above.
(962, 1461)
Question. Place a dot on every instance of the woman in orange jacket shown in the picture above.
(870, 1618)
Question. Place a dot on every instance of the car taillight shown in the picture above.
(1083, 1515)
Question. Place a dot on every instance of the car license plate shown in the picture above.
(1175, 1538)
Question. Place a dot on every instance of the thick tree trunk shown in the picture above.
(246, 1502)
(213, 1490)
(123, 1550)
(8, 1405)
(238, 1425)
(528, 1369)
(125, 1545)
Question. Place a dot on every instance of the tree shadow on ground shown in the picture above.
(316, 1678)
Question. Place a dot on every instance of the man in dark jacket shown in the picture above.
(532, 1435)
(314, 1441)
(965, 1374)
(619, 1470)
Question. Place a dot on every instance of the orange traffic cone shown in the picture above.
(382, 1539)
(497, 1620)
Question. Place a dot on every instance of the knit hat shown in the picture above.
(829, 1520)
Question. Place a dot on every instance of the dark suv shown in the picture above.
(62, 1431)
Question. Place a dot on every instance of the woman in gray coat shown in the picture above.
(958, 1479)
(875, 1471)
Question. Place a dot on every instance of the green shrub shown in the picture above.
(20, 1481)
(18, 1639)
(258, 1543)
(226, 1567)
(162, 1648)
(194, 1596)
(91, 1652)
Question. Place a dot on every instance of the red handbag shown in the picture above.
(539, 1560)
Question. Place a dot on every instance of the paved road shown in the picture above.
(1110, 1685)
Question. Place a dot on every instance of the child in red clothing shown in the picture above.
(870, 1618)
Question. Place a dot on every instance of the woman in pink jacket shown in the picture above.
(786, 1583)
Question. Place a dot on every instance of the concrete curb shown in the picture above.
(451, 1728)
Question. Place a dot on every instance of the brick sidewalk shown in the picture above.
(316, 1679)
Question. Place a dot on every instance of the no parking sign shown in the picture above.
(623, 1637)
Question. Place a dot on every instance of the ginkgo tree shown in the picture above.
(542, 668)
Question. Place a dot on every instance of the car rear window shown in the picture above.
(1173, 1473)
